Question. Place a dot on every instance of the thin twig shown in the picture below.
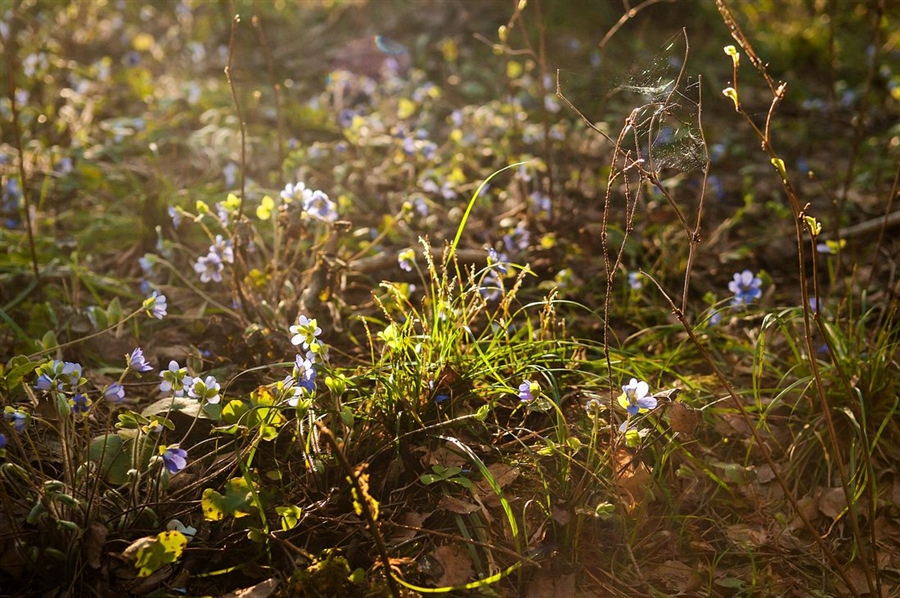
(754, 432)
(276, 87)
(10, 49)
(364, 506)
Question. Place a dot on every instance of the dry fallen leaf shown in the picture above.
(94, 540)
(677, 576)
(261, 590)
(503, 474)
(551, 587)
(729, 424)
(857, 577)
(745, 536)
(684, 419)
(808, 505)
(562, 515)
(764, 474)
(455, 564)
(402, 534)
(457, 505)
(635, 481)
(832, 502)
(445, 457)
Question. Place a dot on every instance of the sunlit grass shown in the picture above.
(402, 342)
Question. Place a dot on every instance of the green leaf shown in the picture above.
(19, 370)
(256, 535)
(49, 340)
(778, 163)
(347, 416)
(267, 432)
(114, 313)
(290, 516)
(237, 501)
(151, 553)
(731, 93)
(109, 451)
(185, 405)
(124, 450)
(233, 411)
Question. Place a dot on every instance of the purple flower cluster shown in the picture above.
(517, 239)
(176, 380)
(211, 265)
(302, 381)
(314, 203)
(62, 376)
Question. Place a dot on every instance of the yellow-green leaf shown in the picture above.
(735, 55)
(731, 92)
(290, 516)
(237, 501)
(149, 553)
(815, 227)
(264, 211)
(407, 108)
(778, 163)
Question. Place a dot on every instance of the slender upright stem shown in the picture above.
(10, 51)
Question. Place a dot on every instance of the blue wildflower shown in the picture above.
(59, 375)
(320, 207)
(445, 190)
(593, 406)
(635, 280)
(420, 206)
(205, 391)
(517, 238)
(497, 261)
(746, 288)
(406, 259)
(529, 390)
(174, 458)
(230, 174)
(146, 263)
(305, 332)
(80, 403)
(64, 166)
(114, 393)
(17, 418)
(223, 249)
(541, 204)
(152, 427)
(136, 361)
(175, 215)
(174, 379)
(635, 397)
(209, 267)
(814, 304)
(491, 288)
(155, 305)
(305, 375)
(296, 192)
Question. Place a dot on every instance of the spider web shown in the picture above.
(659, 102)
